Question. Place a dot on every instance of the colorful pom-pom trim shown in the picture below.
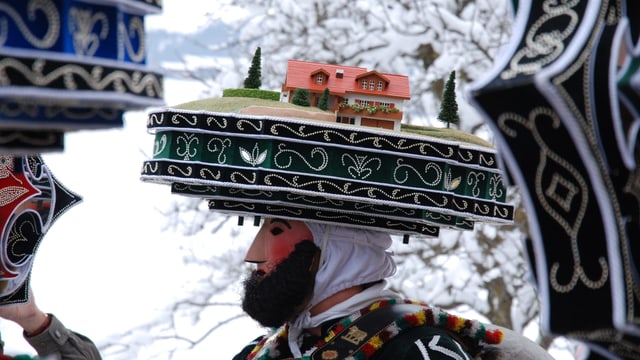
(473, 330)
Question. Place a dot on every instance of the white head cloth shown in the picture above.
(350, 257)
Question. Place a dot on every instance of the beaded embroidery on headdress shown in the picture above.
(280, 161)
(68, 65)
(31, 199)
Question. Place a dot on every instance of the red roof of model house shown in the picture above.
(357, 96)
(342, 79)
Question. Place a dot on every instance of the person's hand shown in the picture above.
(28, 315)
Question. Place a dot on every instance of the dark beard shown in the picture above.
(274, 299)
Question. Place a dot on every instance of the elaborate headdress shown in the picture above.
(64, 65)
(67, 65)
(250, 156)
(563, 103)
(31, 199)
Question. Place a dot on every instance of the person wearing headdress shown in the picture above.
(330, 194)
(323, 290)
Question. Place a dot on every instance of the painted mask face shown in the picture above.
(275, 240)
(285, 276)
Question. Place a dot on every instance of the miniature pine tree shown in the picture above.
(323, 102)
(253, 78)
(449, 107)
(301, 97)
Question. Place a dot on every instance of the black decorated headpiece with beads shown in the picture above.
(31, 200)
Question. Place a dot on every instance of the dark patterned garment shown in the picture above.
(419, 343)
(424, 332)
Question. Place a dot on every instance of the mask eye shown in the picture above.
(276, 231)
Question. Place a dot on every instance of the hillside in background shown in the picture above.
(167, 46)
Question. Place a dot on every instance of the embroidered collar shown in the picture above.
(270, 346)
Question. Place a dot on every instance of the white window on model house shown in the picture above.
(364, 84)
(372, 84)
(319, 79)
(380, 85)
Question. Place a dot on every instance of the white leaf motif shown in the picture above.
(255, 157)
(246, 156)
(454, 183)
(261, 158)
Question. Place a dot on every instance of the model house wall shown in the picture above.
(357, 95)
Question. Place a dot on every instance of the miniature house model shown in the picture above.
(357, 96)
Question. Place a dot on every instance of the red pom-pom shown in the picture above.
(494, 336)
